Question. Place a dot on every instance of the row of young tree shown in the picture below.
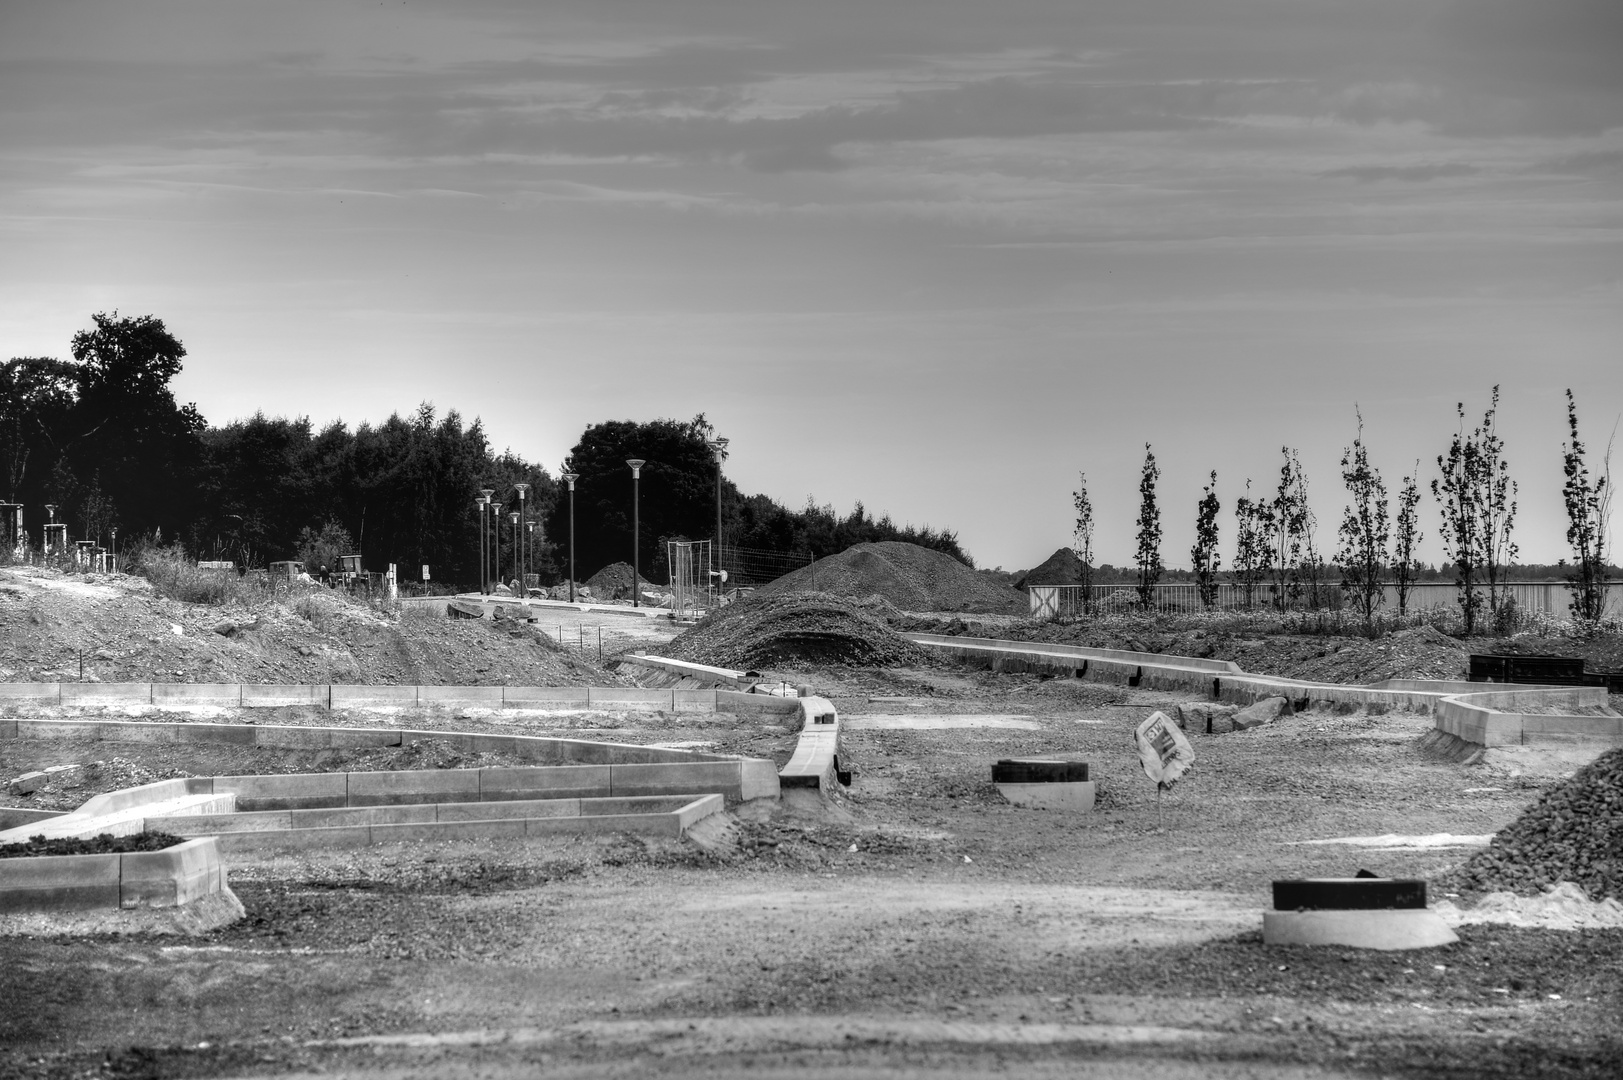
(102, 440)
(1275, 550)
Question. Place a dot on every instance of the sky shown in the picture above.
(934, 255)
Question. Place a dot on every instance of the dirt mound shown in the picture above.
(911, 577)
(1574, 833)
(767, 630)
(1422, 653)
(614, 580)
(1060, 568)
(112, 628)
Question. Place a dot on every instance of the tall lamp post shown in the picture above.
(484, 543)
(518, 549)
(523, 493)
(495, 544)
(636, 555)
(571, 477)
(719, 446)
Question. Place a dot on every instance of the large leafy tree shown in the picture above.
(36, 396)
(126, 436)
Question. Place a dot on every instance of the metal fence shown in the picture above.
(1067, 601)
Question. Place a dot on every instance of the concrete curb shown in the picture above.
(145, 879)
(1474, 712)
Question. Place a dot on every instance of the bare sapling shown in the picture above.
(1588, 515)
(1204, 556)
(1407, 540)
(1082, 541)
(1148, 555)
(1497, 495)
(1251, 547)
(1365, 531)
(1288, 524)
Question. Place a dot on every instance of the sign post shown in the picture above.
(1164, 753)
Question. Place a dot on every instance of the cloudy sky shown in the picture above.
(937, 255)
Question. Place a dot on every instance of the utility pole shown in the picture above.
(636, 554)
(571, 477)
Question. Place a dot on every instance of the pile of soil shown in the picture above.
(614, 580)
(112, 628)
(911, 577)
(1573, 833)
(772, 630)
(105, 844)
(1060, 568)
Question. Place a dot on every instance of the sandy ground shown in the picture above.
(918, 925)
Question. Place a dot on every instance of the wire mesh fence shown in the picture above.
(749, 567)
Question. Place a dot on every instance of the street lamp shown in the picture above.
(523, 492)
(484, 544)
(518, 548)
(496, 543)
(571, 477)
(529, 530)
(636, 556)
(719, 447)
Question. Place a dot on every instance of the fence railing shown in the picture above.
(1067, 601)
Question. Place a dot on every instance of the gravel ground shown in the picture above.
(979, 938)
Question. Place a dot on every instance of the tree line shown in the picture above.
(1275, 558)
(102, 439)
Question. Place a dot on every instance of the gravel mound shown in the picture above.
(613, 580)
(771, 630)
(1060, 568)
(1574, 833)
(911, 577)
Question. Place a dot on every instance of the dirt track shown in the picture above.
(961, 936)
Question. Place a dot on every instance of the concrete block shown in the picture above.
(698, 810)
(544, 782)
(346, 738)
(289, 737)
(113, 802)
(27, 783)
(225, 694)
(244, 843)
(167, 878)
(31, 693)
(59, 883)
(494, 811)
(732, 701)
(630, 697)
(362, 815)
(275, 695)
(699, 778)
(511, 828)
(487, 697)
(421, 786)
(1387, 930)
(495, 744)
(606, 825)
(213, 824)
(1076, 796)
(58, 729)
(294, 791)
(137, 731)
(758, 779)
(218, 734)
(694, 701)
(1600, 728)
(532, 748)
(462, 740)
(106, 693)
(357, 696)
(544, 697)
(635, 804)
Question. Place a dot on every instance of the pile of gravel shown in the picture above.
(911, 577)
(1574, 833)
(614, 579)
(773, 630)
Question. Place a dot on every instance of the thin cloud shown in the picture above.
(1412, 174)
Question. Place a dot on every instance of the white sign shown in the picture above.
(1163, 750)
(425, 571)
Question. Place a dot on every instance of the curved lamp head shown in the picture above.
(571, 477)
(523, 491)
(513, 517)
(486, 493)
(636, 466)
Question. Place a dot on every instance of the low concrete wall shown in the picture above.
(1470, 711)
(167, 878)
(815, 760)
(382, 825)
(739, 680)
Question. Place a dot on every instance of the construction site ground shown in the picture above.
(914, 925)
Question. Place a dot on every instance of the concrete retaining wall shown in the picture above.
(304, 830)
(1470, 711)
(816, 755)
(166, 878)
